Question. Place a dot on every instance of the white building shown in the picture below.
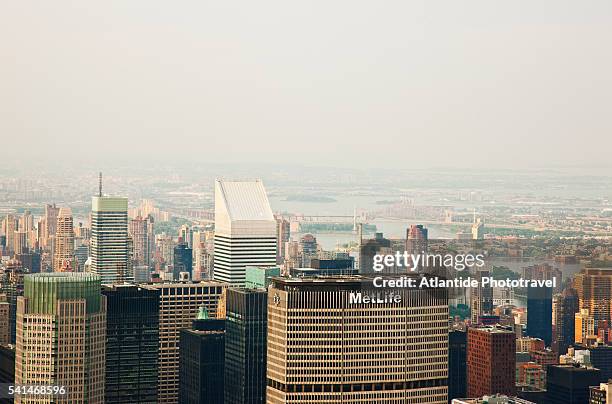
(245, 230)
(109, 239)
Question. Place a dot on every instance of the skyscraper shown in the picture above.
(202, 361)
(283, 233)
(109, 239)
(325, 348)
(457, 364)
(245, 346)
(5, 320)
(490, 361)
(565, 306)
(245, 230)
(539, 313)
(10, 226)
(594, 287)
(183, 260)
(179, 305)
(416, 241)
(584, 326)
(132, 344)
(141, 231)
(569, 384)
(49, 225)
(63, 254)
(481, 297)
(61, 328)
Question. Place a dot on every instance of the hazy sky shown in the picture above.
(347, 83)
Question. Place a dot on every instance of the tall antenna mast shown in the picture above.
(100, 184)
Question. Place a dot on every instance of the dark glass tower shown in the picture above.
(457, 364)
(202, 351)
(245, 346)
(183, 260)
(565, 307)
(569, 384)
(539, 313)
(132, 344)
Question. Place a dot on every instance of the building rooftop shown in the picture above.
(245, 200)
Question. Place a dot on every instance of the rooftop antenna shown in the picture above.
(100, 184)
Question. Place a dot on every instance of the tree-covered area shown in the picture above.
(502, 272)
(170, 227)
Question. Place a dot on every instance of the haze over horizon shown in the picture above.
(472, 84)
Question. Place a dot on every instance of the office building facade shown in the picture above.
(245, 230)
(179, 304)
(110, 256)
(491, 357)
(132, 344)
(245, 346)
(325, 348)
(202, 357)
(61, 329)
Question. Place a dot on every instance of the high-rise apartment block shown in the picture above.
(325, 345)
(490, 361)
(283, 234)
(61, 331)
(63, 254)
(143, 240)
(245, 230)
(594, 287)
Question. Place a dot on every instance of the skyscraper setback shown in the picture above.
(245, 230)
(109, 239)
(61, 329)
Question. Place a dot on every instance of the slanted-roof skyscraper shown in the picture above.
(245, 230)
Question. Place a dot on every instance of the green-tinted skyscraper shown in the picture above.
(61, 330)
